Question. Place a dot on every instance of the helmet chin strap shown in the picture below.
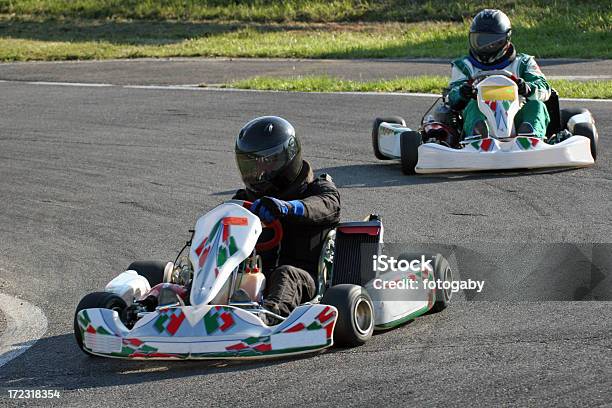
(501, 54)
(507, 57)
(271, 191)
(293, 190)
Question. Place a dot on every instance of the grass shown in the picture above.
(324, 83)
(68, 40)
(423, 84)
(267, 11)
(22, 41)
(102, 29)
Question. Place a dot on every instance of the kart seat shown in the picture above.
(552, 105)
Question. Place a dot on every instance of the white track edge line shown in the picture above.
(25, 325)
(219, 89)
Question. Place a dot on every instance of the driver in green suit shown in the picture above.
(491, 49)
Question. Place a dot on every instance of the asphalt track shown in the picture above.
(93, 178)
(182, 71)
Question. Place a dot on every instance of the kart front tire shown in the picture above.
(355, 321)
(152, 270)
(409, 150)
(375, 127)
(102, 300)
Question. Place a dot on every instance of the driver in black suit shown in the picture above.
(282, 186)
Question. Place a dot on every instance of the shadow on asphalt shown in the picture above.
(390, 175)
(128, 32)
(56, 363)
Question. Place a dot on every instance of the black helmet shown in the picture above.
(268, 154)
(490, 35)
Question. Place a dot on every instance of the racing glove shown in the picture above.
(523, 87)
(269, 209)
(467, 91)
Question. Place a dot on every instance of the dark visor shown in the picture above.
(487, 43)
(260, 169)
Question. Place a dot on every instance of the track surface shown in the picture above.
(175, 71)
(93, 178)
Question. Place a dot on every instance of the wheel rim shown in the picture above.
(448, 277)
(363, 316)
(115, 306)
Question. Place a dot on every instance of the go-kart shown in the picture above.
(440, 145)
(188, 309)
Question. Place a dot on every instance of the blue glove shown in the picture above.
(269, 209)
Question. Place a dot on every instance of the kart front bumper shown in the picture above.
(491, 154)
(206, 332)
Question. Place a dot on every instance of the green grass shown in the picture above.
(101, 29)
(422, 84)
(67, 40)
(300, 10)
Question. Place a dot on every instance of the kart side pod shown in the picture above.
(356, 245)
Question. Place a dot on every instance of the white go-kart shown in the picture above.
(439, 146)
(188, 309)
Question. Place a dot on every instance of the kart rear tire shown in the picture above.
(409, 150)
(377, 122)
(103, 300)
(355, 321)
(567, 113)
(442, 271)
(588, 130)
(585, 129)
(152, 270)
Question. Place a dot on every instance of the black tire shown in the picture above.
(567, 113)
(588, 130)
(377, 122)
(581, 129)
(355, 321)
(409, 148)
(103, 300)
(152, 270)
(442, 271)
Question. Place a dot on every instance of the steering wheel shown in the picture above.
(275, 226)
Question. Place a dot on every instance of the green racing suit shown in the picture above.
(533, 110)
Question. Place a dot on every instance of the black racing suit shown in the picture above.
(291, 269)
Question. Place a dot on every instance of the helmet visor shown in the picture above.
(259, 170)
(488, 45)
